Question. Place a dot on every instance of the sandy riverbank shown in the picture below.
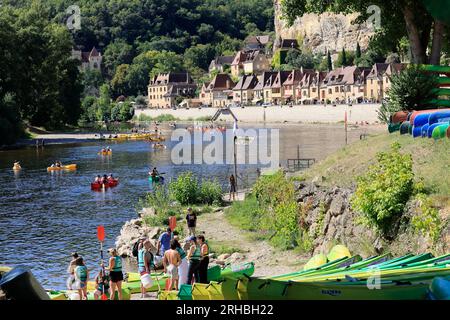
(280, 114)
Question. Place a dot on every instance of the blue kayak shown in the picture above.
(421, 119)
(440, 288)
(431, 128)
(424, 130)
(439, 116)
(417, 131)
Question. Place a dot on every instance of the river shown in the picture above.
(46, 216)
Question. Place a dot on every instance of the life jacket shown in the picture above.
(182, 253)
(117, 264)
(81, 272)
(141, 259)
(197, 254)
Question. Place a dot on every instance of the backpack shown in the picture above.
(135, 250)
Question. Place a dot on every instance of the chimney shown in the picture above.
(228, 83)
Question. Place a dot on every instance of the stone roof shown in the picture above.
(378, 70)
(222, 81)
(246, 82)
(263, 78)
(280, 78)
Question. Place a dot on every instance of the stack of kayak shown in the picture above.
(410, 277)
(216, 276)
(155, 137)
(434, 121)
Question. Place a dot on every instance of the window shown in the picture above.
(313, 89)
(371, 92)
(371, 81)
(336, 89)
(330, 91)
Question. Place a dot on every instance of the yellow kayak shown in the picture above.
(106, 153)
(67, 167)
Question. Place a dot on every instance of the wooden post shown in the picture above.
(346, 128)
(235, 162)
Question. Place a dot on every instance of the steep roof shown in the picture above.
(246, 82)
(262, 40)
(280, 79)
(378, 70)
(263, 78)
(94, 52)
(222, 81)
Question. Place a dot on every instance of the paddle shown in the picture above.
(101, 238)
(172, 223)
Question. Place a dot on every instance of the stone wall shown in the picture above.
(324, 32)
(330, 220)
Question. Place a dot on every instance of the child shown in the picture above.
(102, 285)
(81, 277)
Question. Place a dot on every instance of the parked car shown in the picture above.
(267, 104)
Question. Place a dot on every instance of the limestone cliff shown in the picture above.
(324, 32)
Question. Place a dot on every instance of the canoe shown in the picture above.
(436, 69)
(236, 271)
(431, 128)
(444, 81)
(404, 127)
(392, 127)
(439, 116)
(67, 167)
(156, 179)
(440, 131)
(422, 119)
(414, 114)
(159, 147)
(57, 295)
(417, 131)
(280, 290)
(399, 117)
(168, 295)
(424, 130)
(440, 288)
(106, 153)
(438, 103)
(100, 186)
(135, 286)
(442, 91)
(16, 168)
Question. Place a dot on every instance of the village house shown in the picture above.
(90, 60)
(265, 77)
(391, 70)
(249, 62)
(219, 92)
(220, 64)
(267, 87)
(243, 92)
(291, 92)
(311, 87)
(283, 47)
(257, 42)
(277, 89)
(374, 82)
(166, 90)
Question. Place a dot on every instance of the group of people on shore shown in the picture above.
(107, 281)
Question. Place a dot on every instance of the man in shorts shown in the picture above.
(171, 262)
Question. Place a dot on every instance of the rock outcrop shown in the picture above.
(323, 32)
(131, 232)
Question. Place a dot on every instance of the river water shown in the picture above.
(46, 216)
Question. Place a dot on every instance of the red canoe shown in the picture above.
(110, 184)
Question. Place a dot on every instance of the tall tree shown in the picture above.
(358, 51)
(329, 61)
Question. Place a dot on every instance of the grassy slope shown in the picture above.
(431, 162)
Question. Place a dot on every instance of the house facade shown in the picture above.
(374, 82)
(90, 60)
(244, 91)
(220, 64)
(165, 89)
(249, 62)
(219, 92)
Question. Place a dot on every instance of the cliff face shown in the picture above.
(324, 32)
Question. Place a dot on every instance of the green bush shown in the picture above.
(160, 200)
(245, 214)
(210, 192)
(185, 189)
(428, 222)
(384, 189)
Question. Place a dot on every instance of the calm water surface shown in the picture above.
(45, 216)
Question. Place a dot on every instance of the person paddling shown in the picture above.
(81, 276)
(115, 274)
